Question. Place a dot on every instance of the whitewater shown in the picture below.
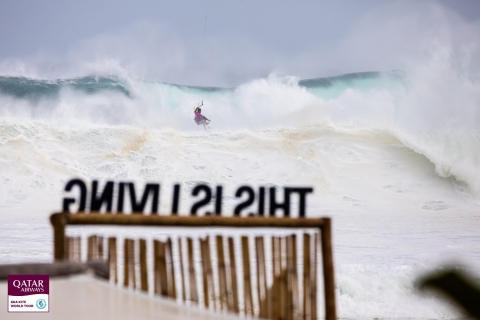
(393, 157)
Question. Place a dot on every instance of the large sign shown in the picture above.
(126, 194)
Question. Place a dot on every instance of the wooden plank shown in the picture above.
(233, 275)
(96, 246)
(162, 265)
(90, 247)
(203, 254)
(283, 293)
(328, 273)
(211, 286)
(100, 253)
(132, 263)
(126, 264)
(289, 278)
(314, 275)
(191, 272)
(261, 277)
(172, 288)
(129, 263)
(112, 259)
(283, 280)
(273, 292)
(274, 312)
(228, 275)
(143, 265)
(247, 284)
(222, 276)
(295, 290)
(191, 221)
(307, 304)
(156, 268)
(182, 271)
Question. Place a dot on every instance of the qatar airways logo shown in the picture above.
(28, 293)
(29, 285)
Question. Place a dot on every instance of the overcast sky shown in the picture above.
(164, 40)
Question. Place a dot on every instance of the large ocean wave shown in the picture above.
(436, 114)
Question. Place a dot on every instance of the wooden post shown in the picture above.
(283, 280)
(289, 277)
(58, 222)
(143, 265)
(172, 289)
(191, 272)
(261, 278)
(306, 277)
(314, 276)
(182, 271)
(100, 248)
(211, 286)
(112, 258)
(247, 285)
(222, 276)
(156, 268)
(295, 290)
(95, 247)
(129, 265)
(126, 264)
(228, 275)
(328, 274)
(233, 274)
(203, 254)
(162, 264)
(276, 270)
(91, 247)
(132, 263)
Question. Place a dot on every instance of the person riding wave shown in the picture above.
(199, 117)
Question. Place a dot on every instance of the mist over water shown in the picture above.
(394, 158)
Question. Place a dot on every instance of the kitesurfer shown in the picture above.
(199, 118)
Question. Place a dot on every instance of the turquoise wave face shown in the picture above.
(33, 89)
(328, 87)
(332, 87)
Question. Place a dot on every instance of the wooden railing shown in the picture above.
(280, 300)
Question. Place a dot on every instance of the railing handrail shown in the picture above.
(189, 221)
(60, 220)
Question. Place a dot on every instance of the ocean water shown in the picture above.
(393, 157)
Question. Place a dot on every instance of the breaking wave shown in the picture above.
(433, 111)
